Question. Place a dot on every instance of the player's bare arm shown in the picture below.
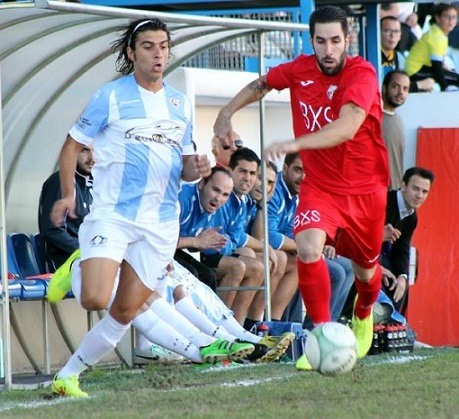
(254, 91)
(67, 165)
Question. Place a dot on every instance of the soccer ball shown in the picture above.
(331, 349)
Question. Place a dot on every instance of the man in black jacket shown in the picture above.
(61, 242)
(401, 221)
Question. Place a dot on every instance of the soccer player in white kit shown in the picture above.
(141, 130)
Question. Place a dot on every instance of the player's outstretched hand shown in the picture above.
(277, 151)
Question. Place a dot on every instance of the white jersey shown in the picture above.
(139, 138)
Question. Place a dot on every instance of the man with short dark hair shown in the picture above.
(394, 94)
(401, 221)
(242, 247)
(336, 110)
(62, 241)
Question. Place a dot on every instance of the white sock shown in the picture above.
(180, 323)
(233, 327)
(97, 343)
(158, 331)
(187, 308)
(76, 280)
(141, 342)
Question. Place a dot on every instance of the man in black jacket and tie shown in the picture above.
(401, 221)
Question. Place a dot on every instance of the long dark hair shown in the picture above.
(128, 37)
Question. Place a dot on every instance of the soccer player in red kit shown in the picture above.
(336, 109)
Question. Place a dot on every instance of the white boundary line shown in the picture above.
(229, 384)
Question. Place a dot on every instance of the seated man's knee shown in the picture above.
(281, 259)
(260, 269)
(238, 268)
(246, 251)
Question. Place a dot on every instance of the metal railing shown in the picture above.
(241, 54)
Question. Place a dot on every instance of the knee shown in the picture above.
(282, 260)
(256, 272)
(93, 301)
(179, 293)
(309, 253)
(237, 270)
(367, 274)
(260, 268)
(123, 315)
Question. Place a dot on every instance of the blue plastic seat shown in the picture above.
(14, 286)
(23, 262)
(32, 289)
(26, 260)
(14, 289)
(38, 243)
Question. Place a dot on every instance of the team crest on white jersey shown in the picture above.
(175, 101)
(331, 91)
(163, 131)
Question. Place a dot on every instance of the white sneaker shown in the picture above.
(156, 353)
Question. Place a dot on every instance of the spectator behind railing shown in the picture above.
(394, 93)
(408, 38)
(391, 59)
(426, 57)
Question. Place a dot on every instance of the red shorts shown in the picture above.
(354, 224)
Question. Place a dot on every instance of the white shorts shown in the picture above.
(148, 251)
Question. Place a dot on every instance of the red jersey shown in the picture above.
(358, 165)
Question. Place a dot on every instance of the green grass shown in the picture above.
(420, 385)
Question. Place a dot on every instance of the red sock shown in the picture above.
(315, 288)
(367, 294)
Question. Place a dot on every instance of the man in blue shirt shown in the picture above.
(242, 248)
(198, 204)
(203, 229)
(245, 170)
